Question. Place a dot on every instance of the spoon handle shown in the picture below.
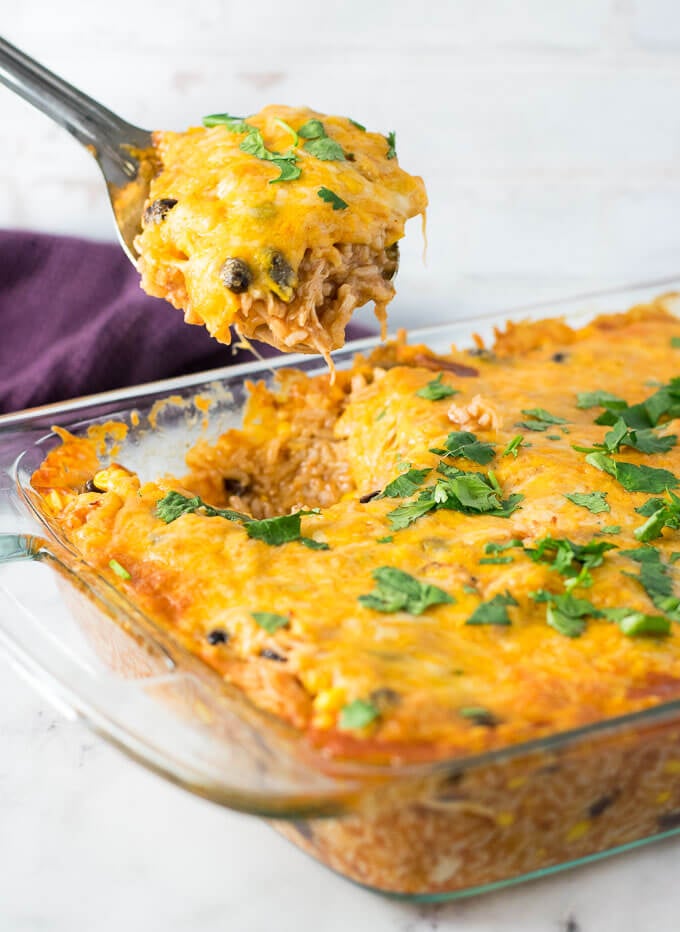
(104, 133)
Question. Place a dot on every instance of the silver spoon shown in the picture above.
(124, 153)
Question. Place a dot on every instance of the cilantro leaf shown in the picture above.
(119, 570)
(635, 624)
(595, 502)
(537, 426)
(660, 514)
(397, 591)
(331, 198)
(277, 531)
(270, 621)
(596, 399)
(406, 484)
(493, 547)
(664, 403)
(646, 440)
(312, 544)
(479, 715)
(675, 342)
(325, 149)
(357, 714)
(566, 614)
(514, 445)
(571, 560)
(610, 529)
(409, 512)
(540, 414)
(392, 145)
(461, 443)
(634, 478)
(493, 612)
(233, 123)
(436, 390)
(496, 560)
(312, 129)
(289, 170)
(173, 505)
(358, 125)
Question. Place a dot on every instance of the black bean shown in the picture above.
(559, 357)
(272, 655)
(392, 266)
(384, 698)
(280, 271)
(91, 487)
(369, 497)
(600, 805)
(669, 820)
(157, 211)
(218, 636)
(236, 275)
(234, 486)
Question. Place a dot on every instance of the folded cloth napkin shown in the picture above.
(73, 321)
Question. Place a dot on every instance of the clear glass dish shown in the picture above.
(423, 831)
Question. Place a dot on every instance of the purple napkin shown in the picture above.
(73, 321)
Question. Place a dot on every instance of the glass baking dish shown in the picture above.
(422, 831)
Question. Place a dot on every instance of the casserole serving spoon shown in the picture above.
(125, 153)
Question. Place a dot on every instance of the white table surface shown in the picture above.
(549, 137)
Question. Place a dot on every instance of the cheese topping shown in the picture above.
(493, 559)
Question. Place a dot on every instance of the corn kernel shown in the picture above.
(578, 830)
(516, 782)
(504, 819)
(330, 700)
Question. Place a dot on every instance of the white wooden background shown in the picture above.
(548, 131)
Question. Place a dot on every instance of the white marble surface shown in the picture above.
(549, 136)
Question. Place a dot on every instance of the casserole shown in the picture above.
(433, 830)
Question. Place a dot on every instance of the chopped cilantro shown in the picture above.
(280, 530)
(635, 624)
(358, 125)
(397, 591)
(675, 342)
(660, 513)
(357, 714)
(553, 436)
(496, 560)
(567, 614)
(436, 390)
(330, 198)
(540, 414)
(312, 129)
(380, 415)
(471, 493)
(646, 440)
(596, 399)
(493, 547)
(573, 561)
(537, 426)
(325, 149)
(664, 403)
(319, 144)
(233, 123)
(610, 529)
(464, 444)
(493, 612)
(270, 621)
(514, 445)
(312, 544)
(119, 570)
(595, 502)
(479, 715)
(655, 579)
(385, 540)
(392, 145)
(253, 144)
(634, 478)
(173, 505)
(406, 484)
(288, 129)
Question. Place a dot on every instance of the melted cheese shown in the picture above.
(200, 573)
